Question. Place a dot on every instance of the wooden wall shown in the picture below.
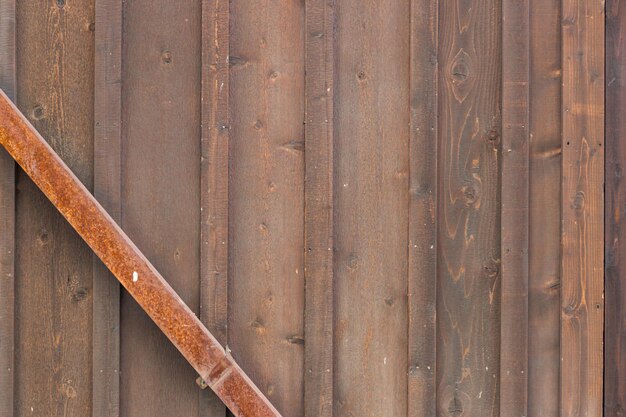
(382, 208)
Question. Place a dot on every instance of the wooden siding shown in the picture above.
(615, 269)
(381, 208)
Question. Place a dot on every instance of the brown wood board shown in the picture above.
(7, 219)
(615, 201)
(214, 159)
(266, 197)
(371, 182)
(545, 207)
(422, 244)
(514, 210)
(107, 190)
(53, 268)
(318, 215)
(468, 292)
(582, 209)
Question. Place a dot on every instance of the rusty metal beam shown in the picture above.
(215, 366)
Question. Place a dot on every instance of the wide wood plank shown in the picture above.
(468, 293)
(161, 195)
(318, 221)
(371, 207)
(515, 210)
(266, 192)
(107, 190)
(545, 208)
(422, 254)
(54, 269)
(214, 181)
(615, 201)
(582, 278)
(7, 218)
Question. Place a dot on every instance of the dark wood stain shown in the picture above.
(129, 265)
(318, 215)
(545, 207)
(582, 208)
(7, 219)
(514, 207)
(215, 130)
(615, 201)
(422, 244)
(468, 293)
(108, 191)
(161, 57)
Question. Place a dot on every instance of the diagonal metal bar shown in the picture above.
(129, 265)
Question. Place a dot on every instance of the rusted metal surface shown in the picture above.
(129, 265)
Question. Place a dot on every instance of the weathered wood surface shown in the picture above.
(422, 250)
(7, 219)
(468, 292)
(266, 211)
(318, 216)
(129, 265)
(214, 158)
(161, 98)
(545, 207)
(370, 210)
(329, 186)
(615, 232)
(515, 208)
(108, 191)
(54, 268)
(582, 209)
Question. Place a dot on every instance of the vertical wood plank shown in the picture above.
(107, 190)
(7, 218)
(266, 215)
(545, 207)
(422, 255)
(55, 55)
(582, 297)
(468, 293)
(214, 181)
(514, 212)
(161, 192)
(371, 205)
(7, 44)
(615, 200)
(318, 267)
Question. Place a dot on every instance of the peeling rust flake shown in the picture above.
(129, 265)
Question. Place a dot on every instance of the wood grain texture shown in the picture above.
(468, 293)
(161, 194)
(55, 50)
(545, 208)
(318, 216)
(422, 254)
(7, 45)
(214, 181)
(107, 190)
(7, 219)
(371, 206)
(266, 215)
(582, 280)
(515, 208)
(129, 265)
(615, 204)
